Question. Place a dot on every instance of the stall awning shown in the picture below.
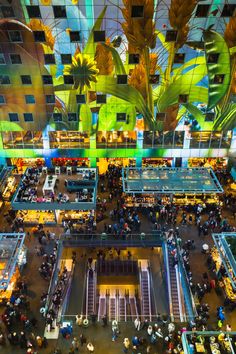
(10, 247)
(225, 251)
(170, 180)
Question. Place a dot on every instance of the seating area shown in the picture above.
(60, 185)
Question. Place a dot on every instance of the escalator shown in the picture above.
(91, 292)
(176, 304)
(102, 308)
(112, 308)
(122, 315)
(133, 308)
(145, 294)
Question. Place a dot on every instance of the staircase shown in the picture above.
(145, 294)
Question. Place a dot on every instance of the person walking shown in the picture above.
(90, 347)
(82, 339)
(126, 345)
(75, 344)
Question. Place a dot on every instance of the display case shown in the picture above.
(140, 201)
(22, 257)
(9, 188)
(35, 217)
(78, 217)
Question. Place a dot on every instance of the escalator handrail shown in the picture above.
(65, 295)
(181, 307)
(149, 296)
(166, 259)
(188, 296)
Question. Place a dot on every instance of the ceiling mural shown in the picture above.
(126, 65)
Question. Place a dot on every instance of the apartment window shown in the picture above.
(7, 11)
(101, 99)
(29, 99)
(122, 79)
(50, 99)
(154, 79)
(171, 35)
(213, 58)
(209, 117)
(13, 117)
(137, 11)
(47, 79)
(179, 58)
(219, 79)
(49, 59)
(57, 117)
(133, 58)
(80, 99)
(2, 99)
(202, 10)
(99, 36)
(26, 80)
(75, 36)
(59, 11)
(66, 59)
(33, 11)
(161, 117)
(72, 117)
(4, 80)
(15, 36)
(121, 117)
(2, 59)
(228, 10)
(183, 98)
(68, 80)
(28, 117)
(39, 36)
(15, 59)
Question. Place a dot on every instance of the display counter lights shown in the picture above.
(170, 180)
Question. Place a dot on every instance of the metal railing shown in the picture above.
(103, 240)
(188, 296)
(166, 262)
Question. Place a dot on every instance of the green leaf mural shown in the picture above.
(215, 44)
(107, 115)
(90, 47)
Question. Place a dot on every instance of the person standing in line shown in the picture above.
(82, 339)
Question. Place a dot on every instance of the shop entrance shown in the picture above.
(23, 163)
(77, 162)
(103, 163)
(157, 162)
(215, 162)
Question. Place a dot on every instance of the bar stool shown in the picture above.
(69, 170)
(44, 170)
(57, 170)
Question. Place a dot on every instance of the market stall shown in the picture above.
(214, 163)
(213, 342)
(35, 217)
(78, 218)
(224, 257)
(7, 183)
(12, 259)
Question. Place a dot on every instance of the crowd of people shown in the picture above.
(148, 337)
